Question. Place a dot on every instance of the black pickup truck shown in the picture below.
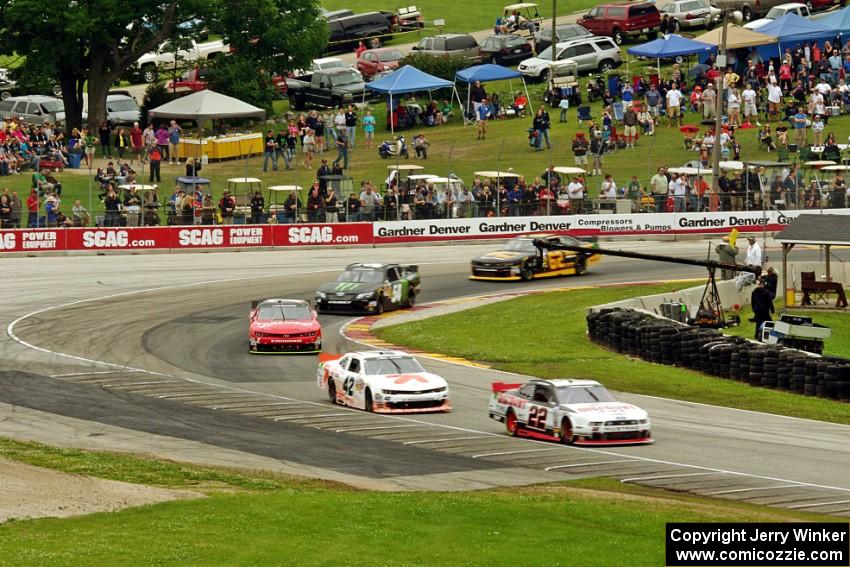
(331, 87)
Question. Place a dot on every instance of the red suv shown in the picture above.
(623, 20)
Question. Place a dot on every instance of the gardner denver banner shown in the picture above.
(586, 225)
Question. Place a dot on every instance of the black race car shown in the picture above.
(520, 259)
(369, 288)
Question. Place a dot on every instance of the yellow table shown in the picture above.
(225, 147)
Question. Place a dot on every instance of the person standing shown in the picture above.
(679, 190)
(270, 151)
(630, 126)
(161, 135)
(155, 158)
(32, 209)
(597, 148)
(368, 200)
(122, 142)
(226, 206)
(136, 143)
(478, 95)
(482, 115)
(351, 125)
(580, 147)
(575, 192)
(542, 124)
(369, 128)
(674, 105)
(105, 134)
(800, 128)
(762, 304)
(258, 205)
(331, 207)
(342, 149)
(174, 133)
(659, 187)
(726, 254)
(15, 213)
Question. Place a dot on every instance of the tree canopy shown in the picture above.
(93, 43)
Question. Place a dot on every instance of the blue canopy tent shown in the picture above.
(791, 29)
(489, 72)
(408, 79)
(671, 46)
(838, 22)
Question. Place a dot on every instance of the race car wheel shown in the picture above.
(332, 391)
(379, 305)
(411, 299)
(581, 267)
(567, 432)
(367, 401)
(512, 424)
(526, 274)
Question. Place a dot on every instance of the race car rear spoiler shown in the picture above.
(504, 386)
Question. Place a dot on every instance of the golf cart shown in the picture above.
(522, 19)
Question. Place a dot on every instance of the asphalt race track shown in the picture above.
(158, 344)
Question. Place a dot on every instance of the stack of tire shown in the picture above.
(664, 341)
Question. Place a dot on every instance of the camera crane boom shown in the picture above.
(710, 313)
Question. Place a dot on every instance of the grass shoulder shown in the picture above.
(546, 337)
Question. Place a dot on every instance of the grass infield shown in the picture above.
(546, 338)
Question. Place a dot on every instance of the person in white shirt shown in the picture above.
(754, 258)
(608, 193)
(674, 105)
(817, 105)
(575, 190)
(817, 131)
(774, 99)
(748, 95)
(679, 190)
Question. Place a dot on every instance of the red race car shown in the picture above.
(284, 326)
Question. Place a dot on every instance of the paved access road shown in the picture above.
(188, 375)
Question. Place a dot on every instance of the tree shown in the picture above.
(92, 43)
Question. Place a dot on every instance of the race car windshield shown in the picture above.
(588, 395)
(361, 276)
(520, 245)
(283, 313)
(396, 365)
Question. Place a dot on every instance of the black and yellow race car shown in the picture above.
(521, 260)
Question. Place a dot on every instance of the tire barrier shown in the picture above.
(663, 341)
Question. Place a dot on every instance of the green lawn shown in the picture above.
(459, 17)
(561, 350)
(274, 520)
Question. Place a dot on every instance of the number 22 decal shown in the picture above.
(537, 417)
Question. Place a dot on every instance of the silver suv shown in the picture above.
(590, 54)
(459, 44)
(34, 109)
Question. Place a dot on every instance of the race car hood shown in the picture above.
(349, 287)
(606, 411)
(410, 382)
(503, 257)
(285, 326)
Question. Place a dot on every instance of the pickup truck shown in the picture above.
(147, 67)
(330, 87)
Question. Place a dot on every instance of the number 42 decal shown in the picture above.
(396, 296)
(348, 386)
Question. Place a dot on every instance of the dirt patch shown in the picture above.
(27, 491)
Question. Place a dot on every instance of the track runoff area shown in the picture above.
(456, 444)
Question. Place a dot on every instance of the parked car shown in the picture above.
(374, 61)
(147, 67)
(589, 54)
(620, 21)
(563, 32)
(346, 32)
(692, 13)
(750, 9)
(7, 88)
(122, 108)
(35, 109)
(456, 44)
(191, 81)
(777, 12)
(505, 49)
(332, 88)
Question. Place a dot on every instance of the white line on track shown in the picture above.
(93, 373)
(662, 476)
(752, 489)
(307, 416)
(423, 441)
(590, 464)
(347, 429)
(10, 331)
(833, 503)
(501, 453)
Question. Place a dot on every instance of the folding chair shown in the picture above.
(618, 111)
(584, 114)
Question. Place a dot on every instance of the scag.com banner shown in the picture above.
(584, 225)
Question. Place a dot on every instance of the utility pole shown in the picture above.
(720, 65)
